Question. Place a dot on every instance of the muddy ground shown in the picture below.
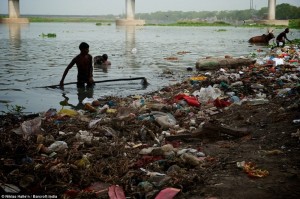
(262, 135)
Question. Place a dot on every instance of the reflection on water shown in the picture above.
(102, 68)
(15, 38)
(130, 45)
(82, 93)
(15, 35)
(29, 61)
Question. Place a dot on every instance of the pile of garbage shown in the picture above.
(135, 147)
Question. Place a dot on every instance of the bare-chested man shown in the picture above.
(84, 65)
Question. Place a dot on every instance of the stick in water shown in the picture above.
(144, 82)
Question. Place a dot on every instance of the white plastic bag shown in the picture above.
(31, 127)
(207, 94)
(88, 100)
(58, 146)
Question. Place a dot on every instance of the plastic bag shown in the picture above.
(58, 146)
(207, 94)
(68, 112)
(88, 100)
(31, 127)
(165, 120)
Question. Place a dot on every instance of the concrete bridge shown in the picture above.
(14, 14)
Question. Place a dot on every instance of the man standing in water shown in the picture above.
(282, 37)
(84, 65)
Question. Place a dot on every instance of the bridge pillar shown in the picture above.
(271, 20)
(130, 12)
(13, 9)
(130, 9)
(14, 13)
(272, 9)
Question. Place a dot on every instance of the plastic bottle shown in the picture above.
(142, 101)
(89, 107)
(238, 83)
(258, 101)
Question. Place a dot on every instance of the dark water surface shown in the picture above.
(28, 60)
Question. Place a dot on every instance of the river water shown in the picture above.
(28, 60)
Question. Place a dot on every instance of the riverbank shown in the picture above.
(228, 133)
(66, 19)
(293, 23)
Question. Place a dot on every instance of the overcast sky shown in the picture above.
(103, 7)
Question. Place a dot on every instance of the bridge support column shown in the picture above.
(272, 9)
(130, 9)
(271, 20)
(130, 12)
(13, 9)
(14, 13)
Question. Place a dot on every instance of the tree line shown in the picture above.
(283, 12)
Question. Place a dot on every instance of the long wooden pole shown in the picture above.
(145, 82)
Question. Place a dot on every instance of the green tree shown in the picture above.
(283, 11)
(262, 13)
(286, 11)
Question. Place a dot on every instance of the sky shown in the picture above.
(116, 7)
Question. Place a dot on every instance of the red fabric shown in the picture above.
(272, 70)
(97, 187)
(116, 192)
(191, 100)
(221, 103)
(167, 193)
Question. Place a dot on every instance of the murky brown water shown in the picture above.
(28, 60)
